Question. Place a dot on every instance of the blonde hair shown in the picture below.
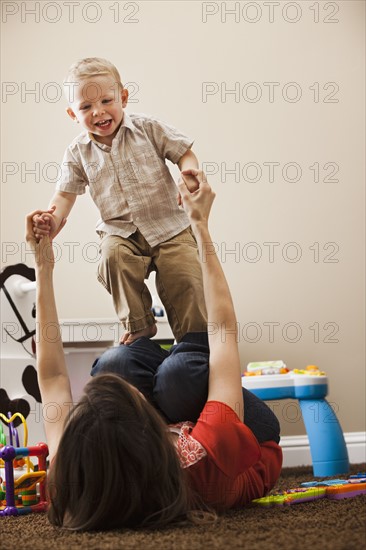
(92, 66)
(89, 67)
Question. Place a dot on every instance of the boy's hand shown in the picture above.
(191, 182)
(41, 245)
(190, 179)
(45, 224)
(197, 204)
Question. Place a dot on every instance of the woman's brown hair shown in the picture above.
(116, 465)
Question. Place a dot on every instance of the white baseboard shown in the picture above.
(296, 449)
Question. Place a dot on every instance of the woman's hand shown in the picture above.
(52, 372)
(224, 383)
(197, 204)
(40, 244)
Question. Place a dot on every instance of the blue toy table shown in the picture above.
(327, 446)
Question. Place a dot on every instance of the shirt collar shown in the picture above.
(126, 123)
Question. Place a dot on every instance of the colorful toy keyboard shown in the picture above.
(334, 490)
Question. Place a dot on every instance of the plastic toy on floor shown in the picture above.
(271, 380)
(22, 487)
(334, 489)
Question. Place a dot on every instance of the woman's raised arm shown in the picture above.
(225, 374)
(53, 378)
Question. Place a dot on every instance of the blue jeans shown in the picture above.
(176, 381)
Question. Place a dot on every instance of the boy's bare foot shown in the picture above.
(130, 337)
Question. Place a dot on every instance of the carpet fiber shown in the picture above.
(319, 525)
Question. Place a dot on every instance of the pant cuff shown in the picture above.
(196, 338)
(141, 324)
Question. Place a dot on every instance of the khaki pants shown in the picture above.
(127, 262)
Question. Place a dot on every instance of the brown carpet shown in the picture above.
(318, 525)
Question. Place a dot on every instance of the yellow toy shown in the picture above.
(21, 496)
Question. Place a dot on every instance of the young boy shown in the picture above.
(122, 159)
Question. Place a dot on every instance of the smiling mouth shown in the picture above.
(104, 123)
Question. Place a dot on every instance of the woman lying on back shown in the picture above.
(114, 461)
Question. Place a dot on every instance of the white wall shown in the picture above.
(168, 52)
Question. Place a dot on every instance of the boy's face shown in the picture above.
(98, 104)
